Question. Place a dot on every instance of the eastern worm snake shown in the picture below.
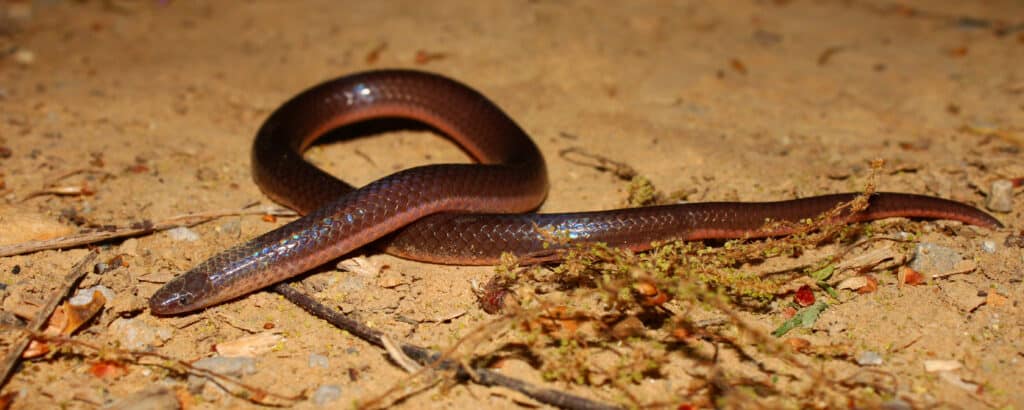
(456, 213)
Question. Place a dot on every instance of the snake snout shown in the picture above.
(173, 298)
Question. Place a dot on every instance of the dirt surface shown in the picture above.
(158, 102)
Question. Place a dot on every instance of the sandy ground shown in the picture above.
(734, 100)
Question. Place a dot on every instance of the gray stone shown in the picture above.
(182, 233)
(233, 366)
(232, 227)
(931, 259)
(318, 360)
(1000, 196)
(151, 398)
(229, 366)
(326, 394)
(989, 246)
(869, 358)
(138, 335)
(897, 404)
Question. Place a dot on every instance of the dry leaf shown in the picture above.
(54, 325)
(681, 334)
(955, 380)
(7, 399)
(853, 283)
(798, 344)
(873, 258)
(628, 327)
(107, 369)
(360, 265)
(250, 346)
(933, 366)
(391, 280)
(80, 309)
(909, 276)
(995, 299)
(35, 349)
(870, 287)
(650, 295)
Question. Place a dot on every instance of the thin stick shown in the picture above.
(967, 269)
(427, 357)
(136, 229)
(248, 392)
(621, 170)
(70, 281)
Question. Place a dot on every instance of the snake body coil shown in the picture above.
(454, 213)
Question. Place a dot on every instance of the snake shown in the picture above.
(462, 214)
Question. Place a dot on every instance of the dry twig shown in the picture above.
(70, 281)
(248, 392)
(433, 359)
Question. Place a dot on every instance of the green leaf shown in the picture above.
(829, 289)
(804, 318)
(823, 274)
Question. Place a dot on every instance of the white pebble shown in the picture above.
(182, 233)
(1000, 196)
(869, 358)
(989, 246)
(138, 335)
(24, 57)
(84, 296)
(326, 394)
(318, 360)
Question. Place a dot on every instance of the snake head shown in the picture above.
(182, 294)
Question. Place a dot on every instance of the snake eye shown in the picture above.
(183, 299)
(170, 303)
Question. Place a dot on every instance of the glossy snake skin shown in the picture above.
(455, 214)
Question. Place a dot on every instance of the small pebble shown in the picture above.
(869, 358)
(84, 296)
(897, 404)
(232, 366)
(229, 366)
(931, 259)
(24, 57)
(182, 233)
(326, 394)
(989, 246)
(232, 227)
(206, 174)
(318, 360)
(80, 300)
(9, 319)
(16, 269)
(138, 335)
(154, 397)
(1000, 196)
